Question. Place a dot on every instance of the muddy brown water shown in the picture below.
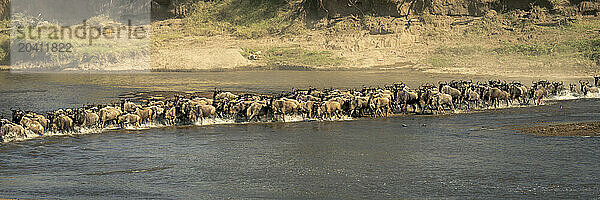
(476, 155)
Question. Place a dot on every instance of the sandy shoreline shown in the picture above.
(539, 75)
(565, 129)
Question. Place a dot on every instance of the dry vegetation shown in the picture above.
(539, 42)
(556, 38)
(105, 54)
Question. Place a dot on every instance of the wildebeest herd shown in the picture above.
(319, 104)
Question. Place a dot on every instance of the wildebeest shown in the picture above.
(327, 104)
(455, 93)
(359, 106)
(307, 107)
(381, 106)
(285, 106)
(224, 96)
(129, 107)
(32, 125)
(109, 114)
(472, 97)
(39, 118)
(10, 131)
(62, 123)
(86, 118)
(238, 109)
(157, 112)
(17, 115)
(329, 109)
(171, 116)
(518, 92)
(426, 97)
(145, 114)
(441, 99)
(194, 113)
(256, 110)
(538, 93)
(406, 97)
(495, 95)
(208, 111)
(586, 88)
(575, 91)
(129, 119)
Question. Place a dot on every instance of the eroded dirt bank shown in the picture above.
(503, 39)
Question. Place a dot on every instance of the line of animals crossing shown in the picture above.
(311, 103)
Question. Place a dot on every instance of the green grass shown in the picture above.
(241, 18)
(102, 51)
(4, 43)
(440, 61)
(460, 50)
(525, 49)
(248, 51)
(4, 49)
(586, 25)
(589, 48)
(166, 37)
(574, 39)
(292, 56)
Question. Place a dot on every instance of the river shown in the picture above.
(459, 156)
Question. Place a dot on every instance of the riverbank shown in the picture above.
(566, 129)
(535, 42)
(505, 45)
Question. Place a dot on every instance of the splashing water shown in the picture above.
(563, 96)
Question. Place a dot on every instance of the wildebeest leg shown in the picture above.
(388, 111)
(250, 118)
(495, 103)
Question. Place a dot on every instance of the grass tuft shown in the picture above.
(244, 19)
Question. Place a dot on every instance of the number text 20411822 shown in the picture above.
(45, 47)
